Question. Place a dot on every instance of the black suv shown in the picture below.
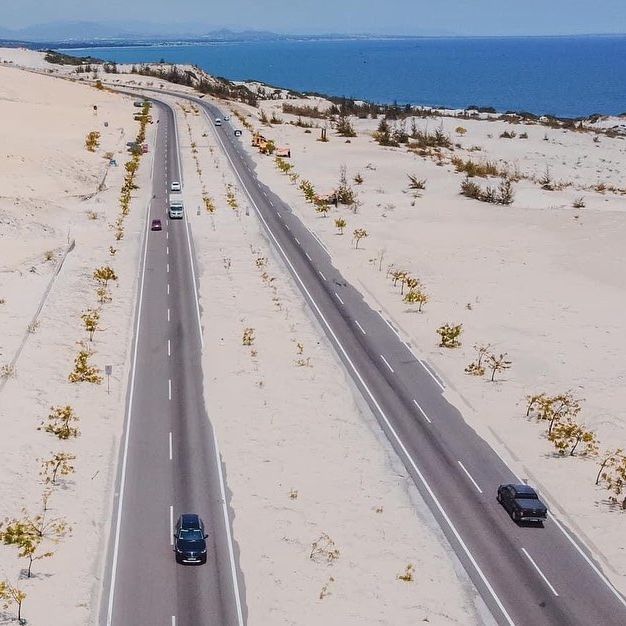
(522, 503)
(190, 539)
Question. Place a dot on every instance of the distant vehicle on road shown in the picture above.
(218, 121)
(522, 503)
(237, 132)
(176, 207)
(175, 186)
(190, 539)
(156, 225)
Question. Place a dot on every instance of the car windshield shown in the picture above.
(527, 496)
(190, 535)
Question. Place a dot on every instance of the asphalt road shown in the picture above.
(169, 460)
(527, 575)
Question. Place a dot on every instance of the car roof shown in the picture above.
(190, 520)
(524, 490)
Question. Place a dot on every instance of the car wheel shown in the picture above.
(515, 516)
(499, 498)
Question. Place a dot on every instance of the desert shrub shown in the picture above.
(308, 190)
(357, 235)
(471, 189)
(415, 183)
(60, 422)
(508, 134)
(92, 141)
(304, 110)
(579, 203)
(344, 127)
(83, 371)
(449, 335)
(383, 134)
(472, 168)
(503, 194)
(436, 139)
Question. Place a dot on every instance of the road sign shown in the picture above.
(108, 370)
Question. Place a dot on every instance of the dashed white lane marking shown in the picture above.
(360, 327)
(169, 348)
(297, 240)
(169, 388)
(470, 477)
(168, 315)
(168, 289)
(387, 363)
(167, 249)
(308, 256)
(167, 235)
(552, 589)
(168, 268)
(338, 297)
(322, 275)
(287, 227)
(380, 410)
(170, 442)
(173, 620)
(171, 525)
(421, 410)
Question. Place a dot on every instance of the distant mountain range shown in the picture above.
(106, 33)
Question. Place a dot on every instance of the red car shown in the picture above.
(156, 225)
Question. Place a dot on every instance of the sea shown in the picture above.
(561, 76)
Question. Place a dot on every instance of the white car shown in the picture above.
(218, 121)
(175, 186)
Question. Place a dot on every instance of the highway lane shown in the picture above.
(170, 462)
(527, 575)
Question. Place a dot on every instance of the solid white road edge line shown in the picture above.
(421, 410)
(374, 401)
(193, 280)
(470, 477)
(231, 550)
(591, 564)
(395, 332)
(439, 383)
(120, 502)
(552, 589)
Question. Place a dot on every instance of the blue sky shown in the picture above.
(405, 17)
